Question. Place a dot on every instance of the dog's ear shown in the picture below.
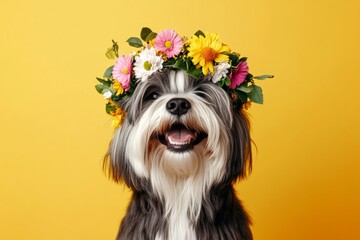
(241, 155)
(114, 160)
(116, 164)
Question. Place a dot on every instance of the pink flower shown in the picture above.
(238, 75)
(168, 42)
(122, 71)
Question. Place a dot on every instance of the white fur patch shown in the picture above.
(178, 81)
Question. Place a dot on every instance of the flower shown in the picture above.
(118, 87)
(117, 120)
(238, 75)
(168, 42)
(220, 71)
(147, 63)
(118, 115)
(122, 71)
(247, 105)
(234, 97)
(107, 94)
(207, 50)
(202, 56)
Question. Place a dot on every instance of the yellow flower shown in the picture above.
(234, 97)
(247, 105)
(119, 89)
(207, 50)
(118, 117)
(151, 43)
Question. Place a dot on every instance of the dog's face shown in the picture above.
(179, 127)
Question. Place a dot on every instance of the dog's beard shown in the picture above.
(182, 157)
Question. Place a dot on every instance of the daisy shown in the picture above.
(168, 42)
(122, 71)
(107, 94)
(207, 50)
(147, 63)
(220, 71)
(238, 75)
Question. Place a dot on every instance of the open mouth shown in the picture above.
(180, 138)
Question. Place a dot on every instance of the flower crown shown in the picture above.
(203, 55)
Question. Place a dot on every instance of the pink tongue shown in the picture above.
(180, 135)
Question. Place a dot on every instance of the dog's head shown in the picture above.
(179, 127)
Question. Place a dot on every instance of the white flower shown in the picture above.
(220, 71)
(147, 63)
(107, 94)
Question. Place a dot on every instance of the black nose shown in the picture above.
(178, 106)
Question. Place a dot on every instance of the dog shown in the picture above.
(180, 149)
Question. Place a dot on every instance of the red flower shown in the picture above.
(238, 75)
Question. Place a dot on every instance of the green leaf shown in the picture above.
(243, 59)
(108, 72)
(169, 63)
(112, 52)
(116, 98)
(234, 58)
(106, 90)
(99, 88)
(180, 64)
(103, 81)
(242, 97)
(249, 77)
(199, 33)
(110, 108)
(221, 83)
(263, 77)
(246, 89)
(186, 65)
(196, 73)
(256, 95)
(227, 81)
(115, 47)
(112, 90)
(151, 36)
(135, 42)
(145, 31)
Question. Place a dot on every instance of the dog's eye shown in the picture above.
(152, 96)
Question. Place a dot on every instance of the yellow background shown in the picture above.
(54, 130)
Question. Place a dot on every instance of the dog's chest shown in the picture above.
(182, 206)
(179, 227)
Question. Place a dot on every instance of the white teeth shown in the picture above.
(179, 143)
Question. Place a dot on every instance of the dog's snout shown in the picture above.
(178, 106)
